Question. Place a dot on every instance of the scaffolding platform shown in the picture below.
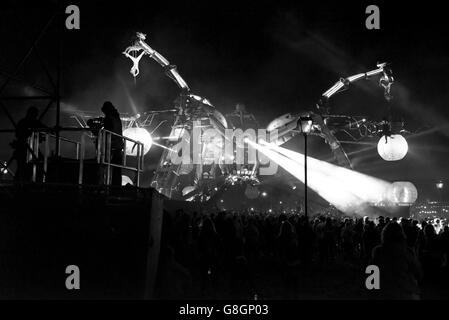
(112, 234)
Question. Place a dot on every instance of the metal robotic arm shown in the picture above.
(385, 81)
(141, 45)
(288, 126)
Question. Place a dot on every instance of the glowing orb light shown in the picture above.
(402, 192)
(137, 134)
(392, 148)
(126, 180)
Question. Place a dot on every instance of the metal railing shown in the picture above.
(33, 150)
(104, 151)
(36, 155)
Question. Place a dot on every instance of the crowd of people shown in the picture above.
(253, 255)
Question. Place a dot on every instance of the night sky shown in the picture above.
(275, 58)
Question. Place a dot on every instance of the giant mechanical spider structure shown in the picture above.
(199, 181)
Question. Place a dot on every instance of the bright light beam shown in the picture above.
(367, 188)
(327, 187)
(163, 147)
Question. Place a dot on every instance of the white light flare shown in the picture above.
(374, 190)
(348, 190)
(327, 187)
(140, 135)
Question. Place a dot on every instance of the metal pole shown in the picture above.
(139, 147)
(77, 151)
(35, 155)
(99, 146)
(108, 151)
(81, 159)
(305, 175)
(58, 76)
(46, 153)
(30, 147)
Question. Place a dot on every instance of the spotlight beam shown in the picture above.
(349, 191)
(163, 147)
(373, 189)
(327, 187)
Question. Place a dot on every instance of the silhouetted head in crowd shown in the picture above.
(286, 229)
(208, 227)
(429, 230)
(393, 234)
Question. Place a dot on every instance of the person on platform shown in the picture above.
(241, 118)
(113, 123)
(24, 129)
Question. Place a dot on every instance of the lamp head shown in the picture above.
(305, 123)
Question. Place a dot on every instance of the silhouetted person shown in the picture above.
(347, 239)
(431, 256)
(370, 239)
(444, 236)
(399, 267)
(174, 280)
(252, 239)
(24, 129)
(113, 123)
(287, 249)
(306, 238)
(241, 118)
(329, 239)
(209, 249)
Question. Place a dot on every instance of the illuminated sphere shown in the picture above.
(403, 192)
(126, 180)
(137, 134)
(393, 149)
(251, 192)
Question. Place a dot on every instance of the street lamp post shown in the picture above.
(306, 126)
(305, 175)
